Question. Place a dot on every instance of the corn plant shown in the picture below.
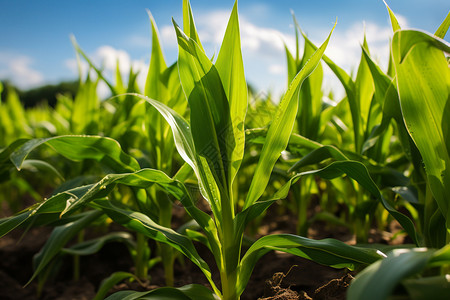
(420, 76)
(368, 102)
(212, 145)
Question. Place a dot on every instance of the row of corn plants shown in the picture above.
(197, 136)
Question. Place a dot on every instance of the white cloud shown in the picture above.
(277, 69)
(402, 21)
(19, 69)
(140, 41)
(168, 37)
(106, 58)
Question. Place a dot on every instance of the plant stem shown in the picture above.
(165, 219)
(230, 251)
(76, 259)
(142, 256)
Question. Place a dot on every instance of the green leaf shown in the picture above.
(423, 80)
(291, 65)
(388, 102)
(310, 96)
(442, 30)
(143, 179)
(59, 237)
(90, 247)
(357, 171)
(280, 129)
(143, 224)
(365, 91)
(46, 212)
(91, 64)
(231, 70)
(210, 112)
(153, 85)
(187, 292)
(110, 282)
(328, 252)
(296, 141)
(9, 223)
(5, 162)
(394, 22)
(85, 111)
(158, 86)
(189, 24)
(425, 288)
(105, 150)
(181, 131)
(35, 165)
(350, 90)
(185, 146)
(318, 155)
(379, 279)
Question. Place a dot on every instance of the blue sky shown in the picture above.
(35, 46)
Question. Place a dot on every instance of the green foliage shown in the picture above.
(198, 136)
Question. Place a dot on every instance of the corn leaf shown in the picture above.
(318, 155)
(189, 24)
(358, 172)
(42, 166)
(90, 247)
(310, 97)
(184, 143)
(187, 292)
(105, 150)
(59, 237)
(143, 224)
(153, 87)
(230, 66)
(210, 117)
(365, 92)
(291, 65)
(423, 80)
(280, 129)
(91, 64)
(354, 169)
(350, 90)
(45, 212)
(5, 162)
(10, 223)
(394, 21)
(379, 279)
(435, 287)
(443, 28)
(85, 112)
(296, 141)
(110, 282)
(328, 252)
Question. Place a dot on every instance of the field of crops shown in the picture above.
(194, 173)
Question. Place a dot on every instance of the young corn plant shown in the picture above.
(371, 144)
(212, 145)
(308, 123)
(420, 86)
(140, 129)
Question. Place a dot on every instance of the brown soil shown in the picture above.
(277, 276)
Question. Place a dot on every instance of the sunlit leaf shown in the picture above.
(280, 129)
(423, 80)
